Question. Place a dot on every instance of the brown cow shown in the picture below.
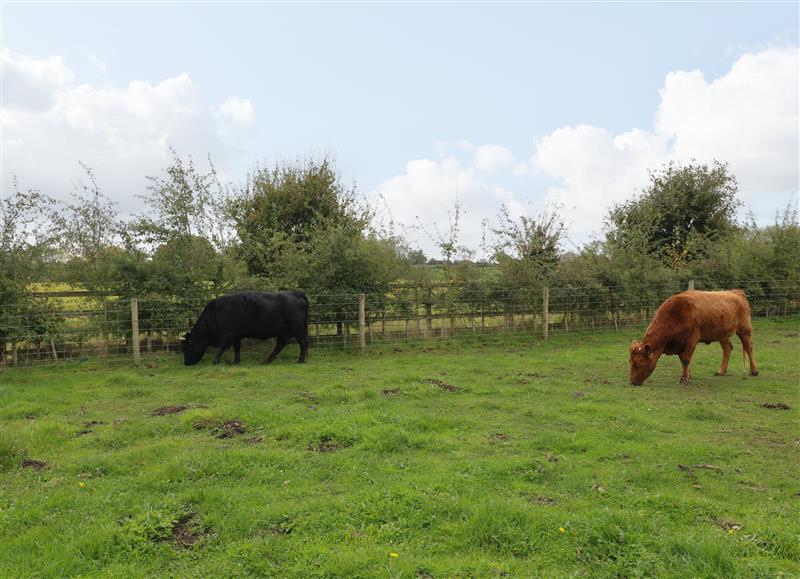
(688, 318)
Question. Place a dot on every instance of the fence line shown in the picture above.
(79, 326)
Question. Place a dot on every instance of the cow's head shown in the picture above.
(193, 349)
(642, 363)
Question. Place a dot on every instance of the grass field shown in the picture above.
(460, 458)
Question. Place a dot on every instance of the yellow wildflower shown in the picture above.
(562, 530)
(81, 484)
(393, 555)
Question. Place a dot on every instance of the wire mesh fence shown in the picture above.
(51, 328)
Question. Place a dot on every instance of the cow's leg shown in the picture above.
(301, 335)
(303, 341)
(237, 346)
(280, 343)
(727, 347)
(686, 359)
(221, 348)
(745, 335)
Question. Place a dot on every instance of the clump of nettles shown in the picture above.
(9, 454)
(178, 526)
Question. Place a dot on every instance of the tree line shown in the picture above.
(297, 225)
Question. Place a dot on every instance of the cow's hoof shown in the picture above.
(719, 373)
(754, 372)
(684, 382)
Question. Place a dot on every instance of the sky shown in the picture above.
(527, 105)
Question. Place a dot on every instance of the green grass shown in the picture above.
(644, 481)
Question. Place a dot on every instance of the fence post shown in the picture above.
(691, 284)
(137, 354)
(362, 315)
(546, 311)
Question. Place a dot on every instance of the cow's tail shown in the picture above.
(302, 295)
(742, 293)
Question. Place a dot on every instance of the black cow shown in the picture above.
(262, 315)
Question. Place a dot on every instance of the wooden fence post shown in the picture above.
(362, 315)
(137, 354)
(691, 284)
(546, 312)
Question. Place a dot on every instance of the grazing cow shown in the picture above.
(262, 315)
(688, 318)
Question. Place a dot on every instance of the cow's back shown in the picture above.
(714, 315)
(259, 314)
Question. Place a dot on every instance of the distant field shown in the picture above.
(455, 458)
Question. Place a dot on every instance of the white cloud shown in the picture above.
(429, 189)
(30, 83)
(239, 110)
(97, 63)
(124, 134)
(491, 158)
(748, 118)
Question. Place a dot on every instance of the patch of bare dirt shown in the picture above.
(166, 410)
(255, 440)
(231, 428)
(689, 469)
(203, 423)
(500, 437)
(279, 530)
(596, 381)
(776, 406)
(625, 456)
(391, 391)
(327, 443)
(441, 384)
(580, 394)
(542, 500)
(526, 377)
(728, 525)
(34, 464)
(187, 531)
(91, 423)
(83, 432)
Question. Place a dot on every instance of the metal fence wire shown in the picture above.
(54, 327)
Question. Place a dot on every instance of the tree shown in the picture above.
(286, 205)
(25, 243)
(417, 257)
(680, 214)
(87, 229)
(184, 203)
(527, 248)
(25, 240)
(187, 231)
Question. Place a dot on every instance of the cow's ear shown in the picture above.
(634, 343)
(647, 349)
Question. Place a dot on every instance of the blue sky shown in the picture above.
(385, 86)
